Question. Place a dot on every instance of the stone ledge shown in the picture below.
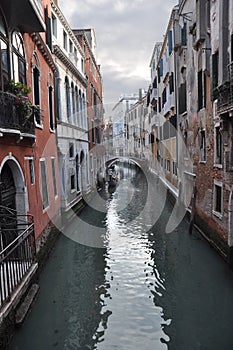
(26, 304)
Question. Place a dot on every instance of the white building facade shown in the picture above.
(119, 123)
(72, 124)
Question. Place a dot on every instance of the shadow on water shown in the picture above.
(193, 286)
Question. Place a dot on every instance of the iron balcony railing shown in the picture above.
(16, 116)
(224, 93)
(18, 250)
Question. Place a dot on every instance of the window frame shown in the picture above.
(215, 211)
(44, 185)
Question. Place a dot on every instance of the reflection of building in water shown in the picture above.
(108, 138)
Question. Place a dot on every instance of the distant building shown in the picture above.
(162, 101)
(95, 110)
(135, 127)
(119, 122)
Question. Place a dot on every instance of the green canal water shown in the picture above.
(117, 280)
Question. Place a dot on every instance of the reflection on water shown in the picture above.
(144, 290)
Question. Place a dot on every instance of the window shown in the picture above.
(231, 47)
(182, 98)
(170, 45)
(215, 59)
(202, 146)
(73, 103)
(32, 171)
(19, 62)
(171, 83)
(71, 150)
(164, 96)
(36, 93)
(161, 67)
(4, 56)
(70, 46)
(49, 29)
(44, 188)
(51, 116)
(82, 65)
(201, 78)
(72, 182)
(184, 35)
(218, 200)
(54, 176)
(155, 83)
(68, 106)
(54, 25)
(218, 145)
(174, 168)
(160, 108)
(64, 40)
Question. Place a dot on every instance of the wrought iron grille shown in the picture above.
(17, 253)
(15, 115)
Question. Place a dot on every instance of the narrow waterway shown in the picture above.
(133, 286)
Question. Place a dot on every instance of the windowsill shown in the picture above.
(73, 190)
(216, 213)
(218, 166)
(39, 126)
(45, 209)
(202, 162)
(52, 131)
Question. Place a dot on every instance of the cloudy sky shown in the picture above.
(126, 32)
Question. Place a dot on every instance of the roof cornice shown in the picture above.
(82, 32)
(67, 62)
(44, 50)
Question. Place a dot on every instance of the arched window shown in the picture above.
(4, 55)
(68, 107)
(76, 105)
(51, 103)
(84, 111)
(18, 57)
(79, 109)
(73, 102)
(36, 87)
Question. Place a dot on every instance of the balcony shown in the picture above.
(224, 93)
(27, 15)
(225, 98)
(17, 252)
(14, 117)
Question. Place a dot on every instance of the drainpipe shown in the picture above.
(230, 229)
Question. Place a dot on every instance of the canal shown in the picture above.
(117, 279)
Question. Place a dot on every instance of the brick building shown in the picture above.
(29, 187)
(95, 110)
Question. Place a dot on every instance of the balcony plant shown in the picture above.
(23, 104)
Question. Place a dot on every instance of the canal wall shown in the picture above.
(207, 231)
